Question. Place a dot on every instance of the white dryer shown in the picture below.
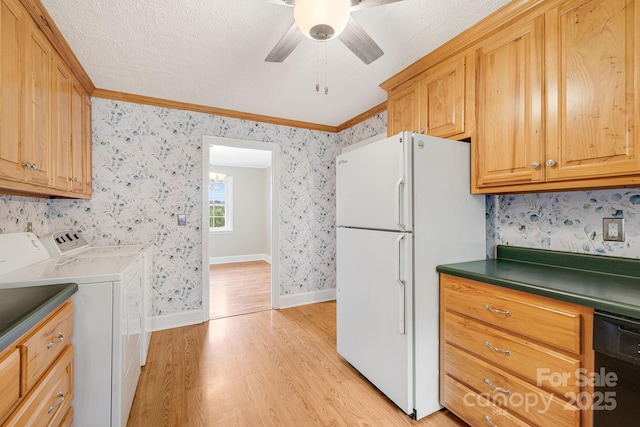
(69, 243)
(107, 319)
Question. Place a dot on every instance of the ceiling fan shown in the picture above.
(326, 19)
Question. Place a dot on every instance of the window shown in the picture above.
(220, 203)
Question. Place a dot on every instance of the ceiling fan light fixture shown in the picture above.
(321, 19)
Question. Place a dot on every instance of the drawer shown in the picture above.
(50, 397)
(514, 394)
(67, 419)
(543, 319)
(9, 381)
(553, 371)
(45, 344)
(474, 409)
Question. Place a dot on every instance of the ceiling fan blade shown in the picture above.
(286, 45)
(364, 4)
(358, 41)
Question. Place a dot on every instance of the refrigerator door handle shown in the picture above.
(399, 184)
(400, 283)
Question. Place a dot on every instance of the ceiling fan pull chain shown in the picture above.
(317, 67)
(326, 72)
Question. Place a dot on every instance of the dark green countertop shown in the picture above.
(609, 284)
(22, 308)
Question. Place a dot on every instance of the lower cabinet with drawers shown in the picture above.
(510, 358)
(36, 374)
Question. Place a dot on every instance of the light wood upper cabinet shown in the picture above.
(509, 103)
(593, 98)
(44, 148)
(444, 98)
(36, 132)
(403, 109)
(547, 90)
(71, 143)
(432, 103)
(81, 151)
(579, 130)
(86, 142)
(62, 82)
(12, 34)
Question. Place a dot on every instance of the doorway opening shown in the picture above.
(240, 212)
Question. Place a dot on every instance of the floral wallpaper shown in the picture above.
(363, 130)
(567, 221)
(147, 169)
(16, 212)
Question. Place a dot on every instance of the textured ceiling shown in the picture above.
(211, 52)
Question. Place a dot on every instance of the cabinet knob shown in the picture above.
(61, 398)
(551, 162)
(26, 165)
(34, 166)
(535, 165)
(59, 338)
(421, 130)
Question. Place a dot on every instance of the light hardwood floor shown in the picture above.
(271, 368)
(239, 288)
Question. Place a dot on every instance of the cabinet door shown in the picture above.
(403, 109)
(509, 105)
(593, 94)
(444, 96)
(12, 22)
(87, 139)
(78, 153)
(61, 125)
(37, 118)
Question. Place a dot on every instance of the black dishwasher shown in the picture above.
(616, 398)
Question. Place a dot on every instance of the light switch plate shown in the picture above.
(613, 229)
(182, 219)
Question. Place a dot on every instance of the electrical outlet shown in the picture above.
(613, 229)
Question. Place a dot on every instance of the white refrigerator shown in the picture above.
(403, 207)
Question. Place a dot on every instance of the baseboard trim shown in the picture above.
(193, 317)
(239, 258)
(177, 320)
(286, 301)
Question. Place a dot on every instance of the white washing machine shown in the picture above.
(68, 243)
(107, 318)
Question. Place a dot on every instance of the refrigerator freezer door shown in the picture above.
(373, 185)
(375, 329)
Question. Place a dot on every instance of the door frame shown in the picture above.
(207, 141)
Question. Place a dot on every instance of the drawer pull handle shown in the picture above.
(487, 418)
(58, 340)
(506, 352)
(496, 388)
(495, 310)
(60, 401)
